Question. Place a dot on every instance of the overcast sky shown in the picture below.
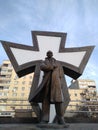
(79, 18)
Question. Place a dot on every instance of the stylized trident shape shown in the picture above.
(26, 59)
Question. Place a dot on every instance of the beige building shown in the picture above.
(75, 102)
(14, 91)
(77, 90)
(83, 84)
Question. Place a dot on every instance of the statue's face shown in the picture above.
(49, 54)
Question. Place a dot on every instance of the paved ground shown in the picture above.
(75, 126)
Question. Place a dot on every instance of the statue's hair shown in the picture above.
(49, 52)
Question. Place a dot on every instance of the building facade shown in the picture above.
(81, 91)
(14, 91)
(83, 84)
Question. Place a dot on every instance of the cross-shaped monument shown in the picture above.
(26, 59)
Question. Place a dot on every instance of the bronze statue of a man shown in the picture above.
(51, 88)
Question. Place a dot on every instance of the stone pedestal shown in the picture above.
(52, 126)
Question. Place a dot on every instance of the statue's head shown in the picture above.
(49, 54)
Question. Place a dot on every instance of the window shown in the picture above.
(10, 70)
(5, 65)
(6, 87)
(28, 107)
(22, 94)
(75, 94)
(16, 82)
(6, 82)
(8, 76)
(23, 88)
(14, 94)
(0, 94)
(1, 81)
(91, 86)
(15, 88)
(3, 71)
(23, 82)
(3, 76)
(1, 87)
(5, 94)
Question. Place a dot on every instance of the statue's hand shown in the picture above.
(50, 67)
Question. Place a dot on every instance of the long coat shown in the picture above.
(50, 86)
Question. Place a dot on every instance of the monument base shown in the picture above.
(52, 126)
(72, 126)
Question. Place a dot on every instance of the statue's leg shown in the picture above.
(59, 113)
(36, 108)
(45, 111)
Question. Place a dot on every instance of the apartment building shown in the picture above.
(14, 91)
(80, 90)
(83, 84)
